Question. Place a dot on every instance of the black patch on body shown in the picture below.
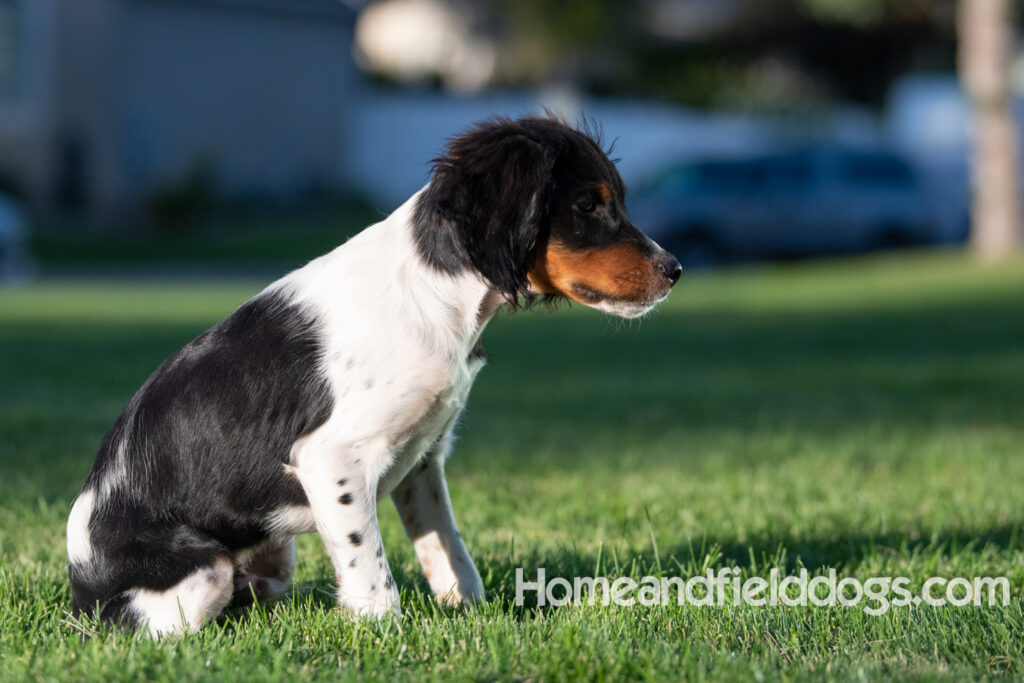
(205, 441)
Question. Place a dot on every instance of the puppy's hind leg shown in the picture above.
(188, 604)
(136, 574)
(181, 607)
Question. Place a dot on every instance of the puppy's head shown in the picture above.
(536, 207)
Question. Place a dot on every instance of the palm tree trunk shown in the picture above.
(985, 37)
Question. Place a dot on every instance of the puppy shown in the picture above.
(340, 384)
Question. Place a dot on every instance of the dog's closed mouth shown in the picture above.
(593, 297)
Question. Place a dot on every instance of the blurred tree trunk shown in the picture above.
(984, 28)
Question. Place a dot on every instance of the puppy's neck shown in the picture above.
(454, 304)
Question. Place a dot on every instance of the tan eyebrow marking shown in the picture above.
(605, 193)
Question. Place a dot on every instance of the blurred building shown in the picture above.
(106, 103)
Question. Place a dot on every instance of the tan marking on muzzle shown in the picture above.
(589, 276)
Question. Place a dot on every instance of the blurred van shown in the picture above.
(807, 201)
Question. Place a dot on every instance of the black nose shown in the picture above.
(671, 269)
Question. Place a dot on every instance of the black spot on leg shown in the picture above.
(389, 582)
(351, 362)
(345, 499)
(355, 538)
(373, 587)
(380, 565)
(352, 563)
(437, 498)
(342, 481)
(380, 552)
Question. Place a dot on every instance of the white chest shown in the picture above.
(387, 417)
(420, 436)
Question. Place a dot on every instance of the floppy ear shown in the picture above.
(492, 186)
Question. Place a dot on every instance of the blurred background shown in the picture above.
(150, 136)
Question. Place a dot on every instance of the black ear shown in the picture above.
(489, 195)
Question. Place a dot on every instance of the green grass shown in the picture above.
(865, 415)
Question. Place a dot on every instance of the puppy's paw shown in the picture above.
(386, 604)
(473, 594)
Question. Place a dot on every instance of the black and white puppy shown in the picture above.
(340, 383)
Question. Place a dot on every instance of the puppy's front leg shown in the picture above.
(426, 511)
(344, 505)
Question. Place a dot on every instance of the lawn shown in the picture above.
(863, 415)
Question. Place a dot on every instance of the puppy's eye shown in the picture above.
(587, 206)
